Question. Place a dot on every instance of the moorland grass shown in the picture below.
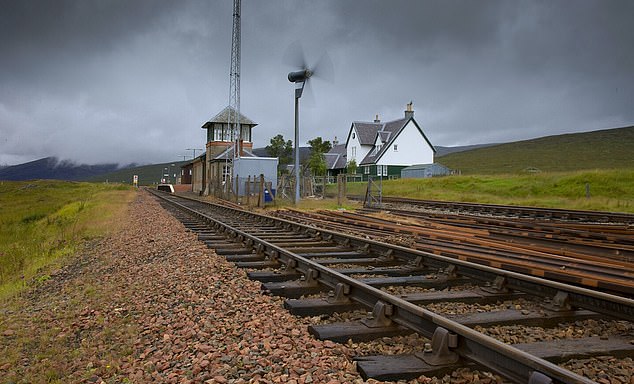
(604, 149)
(43, 221)
(610, 190)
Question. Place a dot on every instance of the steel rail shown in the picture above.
(481, 249)
(608, 304)
(545, 213)
(551, 231)
(460, 341)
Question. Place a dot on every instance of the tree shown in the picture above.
(282, 150)
(352, 167)
(317, 144)
(317, 160)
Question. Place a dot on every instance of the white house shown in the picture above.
(384, 148)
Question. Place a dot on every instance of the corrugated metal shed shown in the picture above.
(425, 170)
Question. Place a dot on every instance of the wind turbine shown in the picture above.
(322, 69)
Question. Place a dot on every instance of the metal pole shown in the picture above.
(297, 180)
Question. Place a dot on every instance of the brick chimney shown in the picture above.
(409, 111)
(376, 118)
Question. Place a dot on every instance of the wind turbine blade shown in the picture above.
(324, 69)
(294, 56)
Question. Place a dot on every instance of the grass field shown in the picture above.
(605, 149)
(44, 221)
(611, 190)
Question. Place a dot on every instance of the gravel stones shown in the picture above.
(153, 304)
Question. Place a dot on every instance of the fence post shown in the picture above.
(261, 202)
(323, 189)
(235, 188)
(587, 190)
(247, 189)
(339, 185)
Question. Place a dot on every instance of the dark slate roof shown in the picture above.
(336, 157)
(304, 153)
(202, 158)
(261, 152)
(228, 154)
(223, 117)
(366, 131)
(389, 131)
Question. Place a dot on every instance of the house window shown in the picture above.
(353, 135)
(395, 147)
(366, 170)
(381, 170)
(354, 153)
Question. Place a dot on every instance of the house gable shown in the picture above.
(408, 146)
(360, 140)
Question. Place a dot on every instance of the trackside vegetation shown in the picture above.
(609, 190)
(44, 221)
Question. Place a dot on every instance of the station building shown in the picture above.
(214, 167)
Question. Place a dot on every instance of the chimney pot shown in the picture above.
(409, 111)
(376, 118)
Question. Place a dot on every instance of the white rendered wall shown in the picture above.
(412, 148)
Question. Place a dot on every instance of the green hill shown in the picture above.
(148, 174)
(605, 149)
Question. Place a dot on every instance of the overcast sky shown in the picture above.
(133, 81)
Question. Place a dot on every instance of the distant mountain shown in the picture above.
(442, 151)
(53, 168)
(147, 174)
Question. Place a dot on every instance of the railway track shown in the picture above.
(324, 272)
(577, 257)
(506, 211)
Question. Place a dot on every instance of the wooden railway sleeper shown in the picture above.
(439, 352)
(380, 315)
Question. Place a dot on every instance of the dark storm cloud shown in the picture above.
(134, 80)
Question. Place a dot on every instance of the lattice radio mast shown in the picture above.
(234, 80)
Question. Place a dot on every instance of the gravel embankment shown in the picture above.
(152, 304)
